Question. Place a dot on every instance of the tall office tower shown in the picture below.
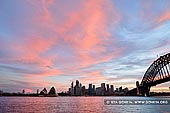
(23, 91)
(72, 84)
(72, 89)
(90, 90)
(80, 89)
(111, 89)
(120, 89)
(94, 90)
(83, 90)
(76, 88)
(107, 88)
(77, 83)
(103, 88)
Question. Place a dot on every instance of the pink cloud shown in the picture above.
(165, 16)
(94, 77)
(84, 30)
(40, 82)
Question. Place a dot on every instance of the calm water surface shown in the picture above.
(76, 105)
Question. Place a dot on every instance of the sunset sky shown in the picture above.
(46, 43)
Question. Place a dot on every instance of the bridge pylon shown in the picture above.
(137, 87)
(142, 90)
(145, 91)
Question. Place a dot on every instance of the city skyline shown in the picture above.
(81, 90)
(76, 89)
(48, 43)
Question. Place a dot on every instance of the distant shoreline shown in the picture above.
(6, 94)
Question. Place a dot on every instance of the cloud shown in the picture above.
(29, 71)
(84, 32)
(94, 77)
(90, 39)
(164, 17)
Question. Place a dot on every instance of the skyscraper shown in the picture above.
(23, 91)
(111, 89)
(94, 90)
(72, 89)
(77, 83)
(80, 89)
(120, 89)
(83, 90)
(90, 90)
(103, 88)
(77, 89)
(107, 88)
(98, 91)
(72, 84)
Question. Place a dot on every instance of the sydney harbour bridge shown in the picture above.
(157, 73)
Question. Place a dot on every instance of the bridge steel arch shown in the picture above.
(157, 73)
(155, 68)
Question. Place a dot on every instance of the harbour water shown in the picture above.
(77, 105)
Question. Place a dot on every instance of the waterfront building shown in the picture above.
(72, 84)
(125, 90)
(86, 92)
(72, 89)
(43, 92)
(107, 87)
(90, 89)
(80, 89)
(83, 90)
(98, 91)
(117, 89)
(23, 91)
(69, 91)
(120, 89)
(77, 89)
(103, 88)
(37, 91)
(77, 83)
(52, 92)
(111, 89)
(94, 90)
